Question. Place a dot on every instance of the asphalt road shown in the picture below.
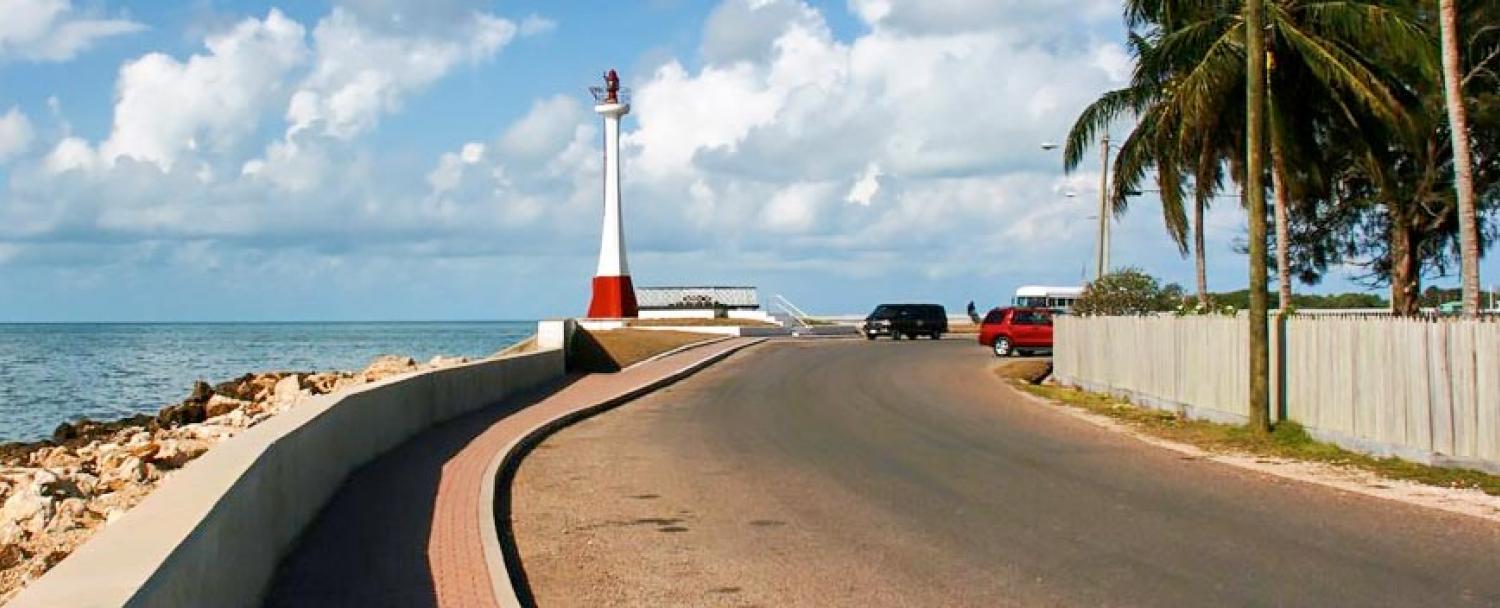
(905, 473)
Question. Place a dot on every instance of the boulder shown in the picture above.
(238, 388)
(235, 419)
(86, 483)
(55, 487)
(11, 534)
(386, 366)
(202, 392)
(218, 405)
(64, 432)
(345, 382)
(288, 389)
(27, 509)
(319, 384)
(441, 361)
(176, 453)
(182, 414)
(265, 385)
(45, 560)
(131, 470)
(143, 451)
(71, 513)
(11, 556)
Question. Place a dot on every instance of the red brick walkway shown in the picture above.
(404, 530)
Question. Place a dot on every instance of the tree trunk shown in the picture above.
(1283, 232)
(1200, 261)
(1463, 163)
(1406, 268)
(1255, 198)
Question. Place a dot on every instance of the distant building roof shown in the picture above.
(664, 298)
(1042, 291)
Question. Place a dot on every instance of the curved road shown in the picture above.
(905, 473)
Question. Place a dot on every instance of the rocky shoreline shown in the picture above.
(55, 493)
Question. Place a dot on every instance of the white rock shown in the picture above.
(11, 533)
(287, 389)
(27, 509)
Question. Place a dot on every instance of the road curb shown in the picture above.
(507, 579)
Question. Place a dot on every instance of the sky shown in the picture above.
(439, 159)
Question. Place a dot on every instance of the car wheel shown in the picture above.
(895, 335)
(937, 335)
(869, 336)
(1002, 347)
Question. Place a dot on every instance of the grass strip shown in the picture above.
(1286, 440)
(614, 350)
(698, 323)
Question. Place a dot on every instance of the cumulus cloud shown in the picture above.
(52, 30)
(744, 29)
(182, 160)
(909, 138)
(911, 145)
(362, 73)
(536, 25)
(1030, 21)
(15, 134)
(540, 174)
(545, 130)
(210, 101)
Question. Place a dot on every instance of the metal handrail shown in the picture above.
(791, 309)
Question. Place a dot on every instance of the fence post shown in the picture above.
(1278, 365)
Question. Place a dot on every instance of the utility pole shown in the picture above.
(1103, 239)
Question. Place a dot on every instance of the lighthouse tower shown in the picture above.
(614, 295)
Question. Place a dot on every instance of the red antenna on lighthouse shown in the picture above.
(611, 92)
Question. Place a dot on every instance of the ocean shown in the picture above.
(52, 373)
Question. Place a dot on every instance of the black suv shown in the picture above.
(910, 320)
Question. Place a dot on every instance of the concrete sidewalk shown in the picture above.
(407, 529)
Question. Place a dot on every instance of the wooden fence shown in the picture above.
(1423, 389)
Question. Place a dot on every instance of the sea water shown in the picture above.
(51, 373)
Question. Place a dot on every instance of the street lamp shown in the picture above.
(1102, 243)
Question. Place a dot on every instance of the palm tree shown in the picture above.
(1190, 67)
(1192, 61)
(1463, 163)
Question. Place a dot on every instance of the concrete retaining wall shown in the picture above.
(213, 534)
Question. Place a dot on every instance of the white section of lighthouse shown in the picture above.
(613, 293)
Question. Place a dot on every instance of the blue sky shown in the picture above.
(397, 159)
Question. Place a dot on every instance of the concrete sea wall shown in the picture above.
(214, 533)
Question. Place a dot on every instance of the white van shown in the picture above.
(1042, 296)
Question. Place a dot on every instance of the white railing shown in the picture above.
(791, 309)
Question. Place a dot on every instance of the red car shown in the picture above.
(1012, 330)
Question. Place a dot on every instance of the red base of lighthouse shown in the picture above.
(614, 298)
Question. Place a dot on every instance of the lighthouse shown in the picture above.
(614, 295)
